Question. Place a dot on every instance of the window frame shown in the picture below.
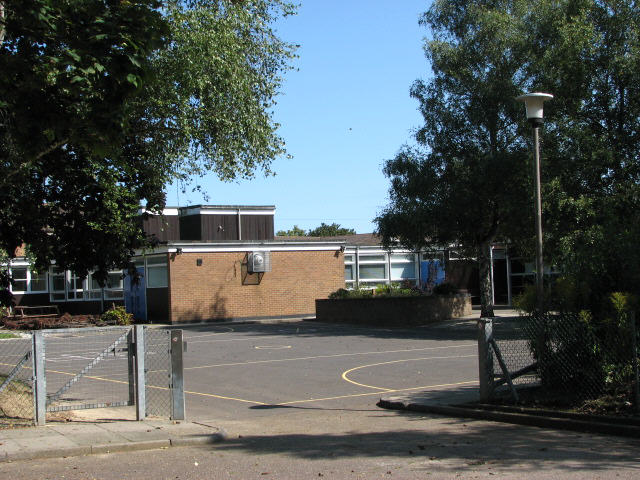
(164, 265)
(28, 279)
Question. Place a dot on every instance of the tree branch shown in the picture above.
(2, 21)
(28, 163)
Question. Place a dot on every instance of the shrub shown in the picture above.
(382, 290)
(117, 315)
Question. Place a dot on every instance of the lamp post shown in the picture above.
(534, 104)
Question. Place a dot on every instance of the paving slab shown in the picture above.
(83, 438)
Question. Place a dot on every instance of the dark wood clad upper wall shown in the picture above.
(257, 227)
(190, 227)
(165, 228)
(219, 227)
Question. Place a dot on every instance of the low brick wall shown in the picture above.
(393, 311)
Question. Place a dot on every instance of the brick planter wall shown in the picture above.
(393, 311)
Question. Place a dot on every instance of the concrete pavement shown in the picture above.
(91, 436)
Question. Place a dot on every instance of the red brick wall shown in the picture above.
(222, 288)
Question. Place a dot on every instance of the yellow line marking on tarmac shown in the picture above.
(328, 356)
(164, 388)
(378, 393)
(347, 379)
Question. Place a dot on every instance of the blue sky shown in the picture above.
(342, 113)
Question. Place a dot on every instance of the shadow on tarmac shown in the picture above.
(454, 439)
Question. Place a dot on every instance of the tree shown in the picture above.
(588, 54)
(466, 183)
(324, 230)
(333, 230)
(67, 185)
(294, 232)
(102, 103)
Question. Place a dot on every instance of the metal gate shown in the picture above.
(81, 368)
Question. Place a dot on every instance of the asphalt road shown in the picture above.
(298, 401)
(245, 371)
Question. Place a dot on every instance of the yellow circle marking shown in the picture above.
(347, 379)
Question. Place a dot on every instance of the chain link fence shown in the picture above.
(83, 368)
(87, 368)
(158, 372)
(568, 360)
(16, 391)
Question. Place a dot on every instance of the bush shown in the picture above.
(382, 290)
(117, 315)
(445, 288)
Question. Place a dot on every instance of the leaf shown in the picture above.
(74, 55)
(133, 79)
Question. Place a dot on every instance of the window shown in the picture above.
(157, 272)
(75, 287)
(56, 285)
(372, 269)
(403, 267)
(38, 282)
(19, 276)
(349, 271)
(27, 281)
(113, 288)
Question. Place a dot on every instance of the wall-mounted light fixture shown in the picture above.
(179, 251)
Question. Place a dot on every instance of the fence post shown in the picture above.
(131, 367)
(177, 376)
(141, 381)
(39, 379)
(634, 362)
(485, 358)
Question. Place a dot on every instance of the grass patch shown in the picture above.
(8, 335)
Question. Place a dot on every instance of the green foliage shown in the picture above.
(358, 292)
(117, 315)
(525, 302)
(382, 290)
(213, 89)
(452, 187)
(294, 232)
(333, 230)
(103, 103)
(468, 180)
(324, 230)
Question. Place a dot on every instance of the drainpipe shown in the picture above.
(239, 226)
(357, 265)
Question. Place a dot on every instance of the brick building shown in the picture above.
(203, 269)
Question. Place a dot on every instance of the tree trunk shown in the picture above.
(486, 298)
(2, 22)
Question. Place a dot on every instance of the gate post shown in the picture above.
(177, 376)
(131, 367)
(485, 358)
(39, 379)
(141, 381)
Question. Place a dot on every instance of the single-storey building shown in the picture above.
(211, 263)
(217, 262)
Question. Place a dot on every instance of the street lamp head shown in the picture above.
(533, 103)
